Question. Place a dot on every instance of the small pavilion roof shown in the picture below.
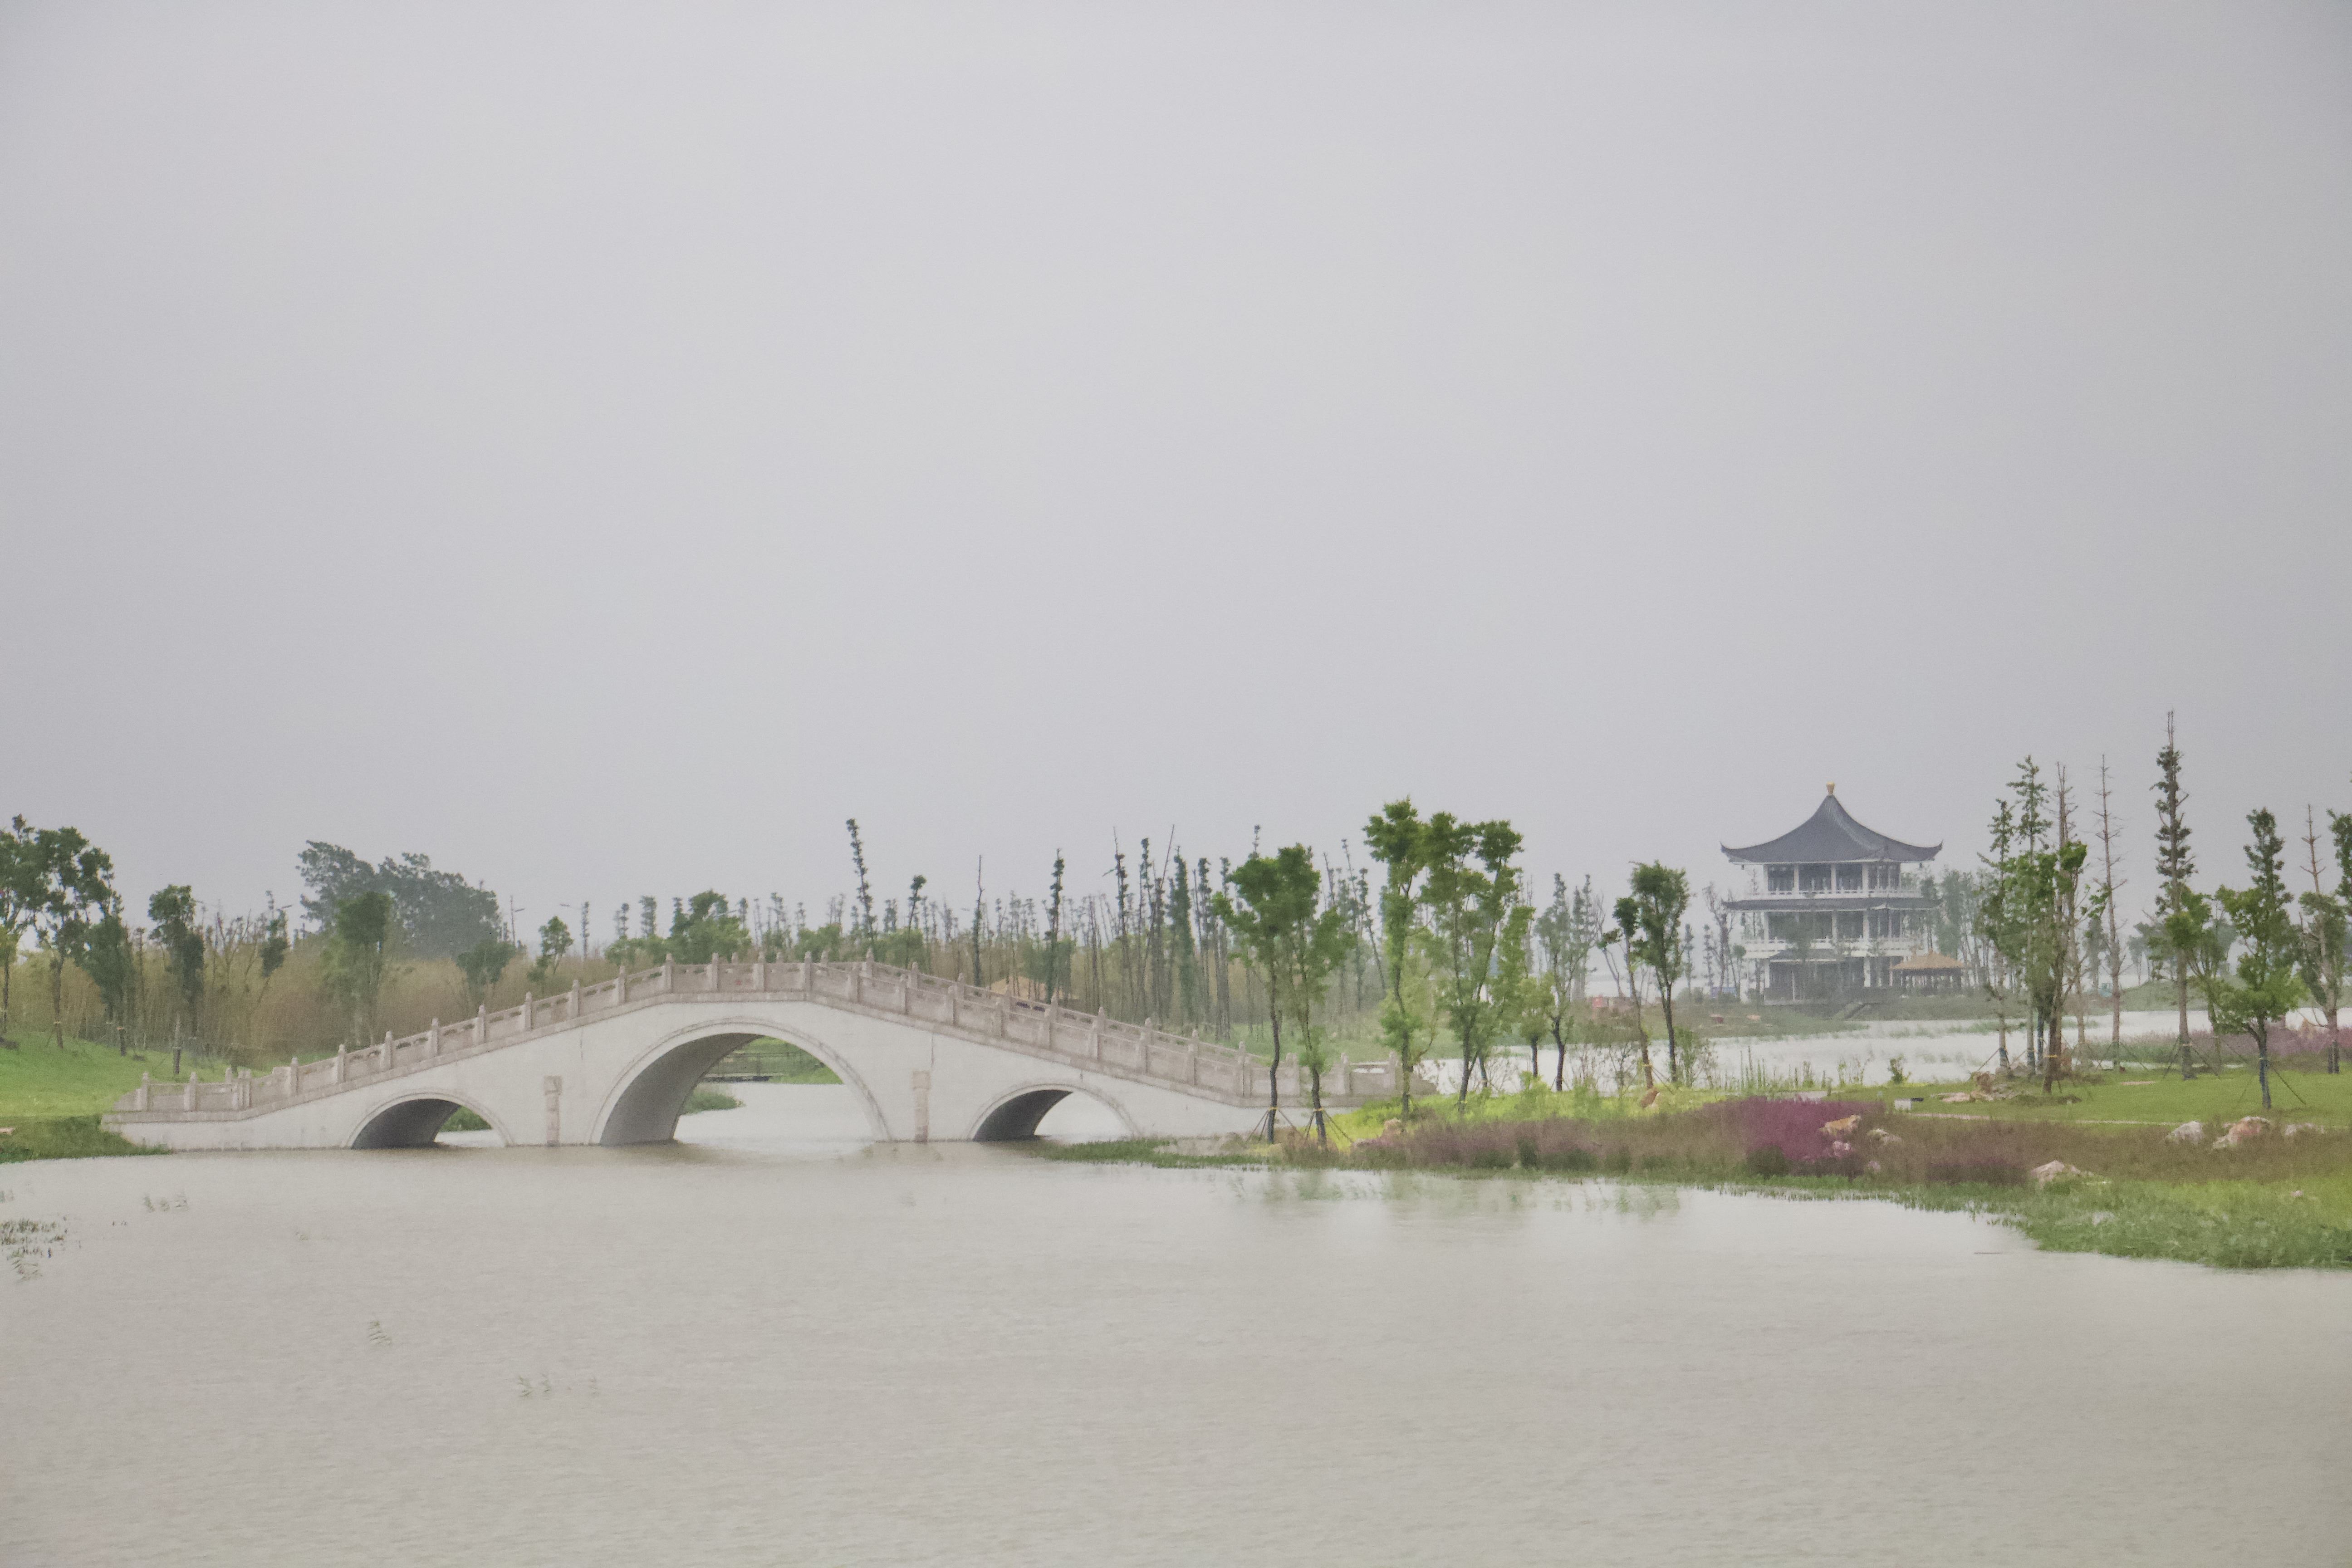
(1831, 834)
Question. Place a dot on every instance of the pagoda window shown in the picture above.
(1849, 923)
(1780, 878)
(1886, 922)
(1804, 926)
(1849, 878)
(1812, 879)
(1886, 878)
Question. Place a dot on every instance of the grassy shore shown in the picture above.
(84, 1078)
(61, 1138)
(2122, 1185)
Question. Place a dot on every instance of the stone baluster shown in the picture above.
(955, 1009)
(1347, 1082)
(387, 1050)
(145, 1090)
(1193, 1062)
(760, 973)
(188, 1095)
(857, 981)
(433, 1039)
(670, 975)
(1093, 1037)
(530, 1011)
(482, 1024)
(718, 977)
(343, 1063)
(573, 1012)
(621, 986)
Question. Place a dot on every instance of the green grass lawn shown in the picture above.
(38, 1079)
(2214, 1098)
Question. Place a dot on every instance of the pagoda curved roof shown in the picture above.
(1831, 834)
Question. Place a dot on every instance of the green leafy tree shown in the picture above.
(1273, 912)
(1470, 900)
(704, 929)
(1520, 985)
(179, 930)
(2324, 932)
(1659, 897)
(2265, 988)
(19, 895)
(359, 959)
(68, 884)
(274, 946)
(106, 956)
(1398, 839)
(485, 962)
(1568, 932)
(554, 944)
(440, 914)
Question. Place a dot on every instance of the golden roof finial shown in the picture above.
(1833, 786)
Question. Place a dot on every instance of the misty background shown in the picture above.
(603, 448)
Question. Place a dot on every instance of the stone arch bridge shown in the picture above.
(928, 1059)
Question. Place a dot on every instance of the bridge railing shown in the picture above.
(1044, 1028)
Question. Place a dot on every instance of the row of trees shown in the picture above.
(2048, 919)
(1458, 948)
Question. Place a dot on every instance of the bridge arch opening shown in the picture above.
(417, 1122)
(1052, 1111)
(648, 1104)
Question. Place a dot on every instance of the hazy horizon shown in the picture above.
(603, 449)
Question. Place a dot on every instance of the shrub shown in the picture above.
(1766, 1159)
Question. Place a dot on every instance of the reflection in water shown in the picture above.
(772, 1343)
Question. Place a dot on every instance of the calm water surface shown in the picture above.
(775, 1345)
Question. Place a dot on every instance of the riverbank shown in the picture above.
(2243, 1193)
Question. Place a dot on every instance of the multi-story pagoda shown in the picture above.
(1833, 908)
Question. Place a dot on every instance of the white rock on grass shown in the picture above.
(2055, 1170)
(2243, 1130)
(2187, 1132)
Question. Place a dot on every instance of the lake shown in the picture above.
(772, 1343)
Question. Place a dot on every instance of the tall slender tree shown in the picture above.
(1398, 839)
(864, 932)
(178, 927)
(2105, 916)
(2176, 863)
(1053, 929)
(1470, 897)
(19, 896)
(2327, 925)
(1655, 910)
(2265, 987)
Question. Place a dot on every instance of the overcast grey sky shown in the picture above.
(605, 447)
